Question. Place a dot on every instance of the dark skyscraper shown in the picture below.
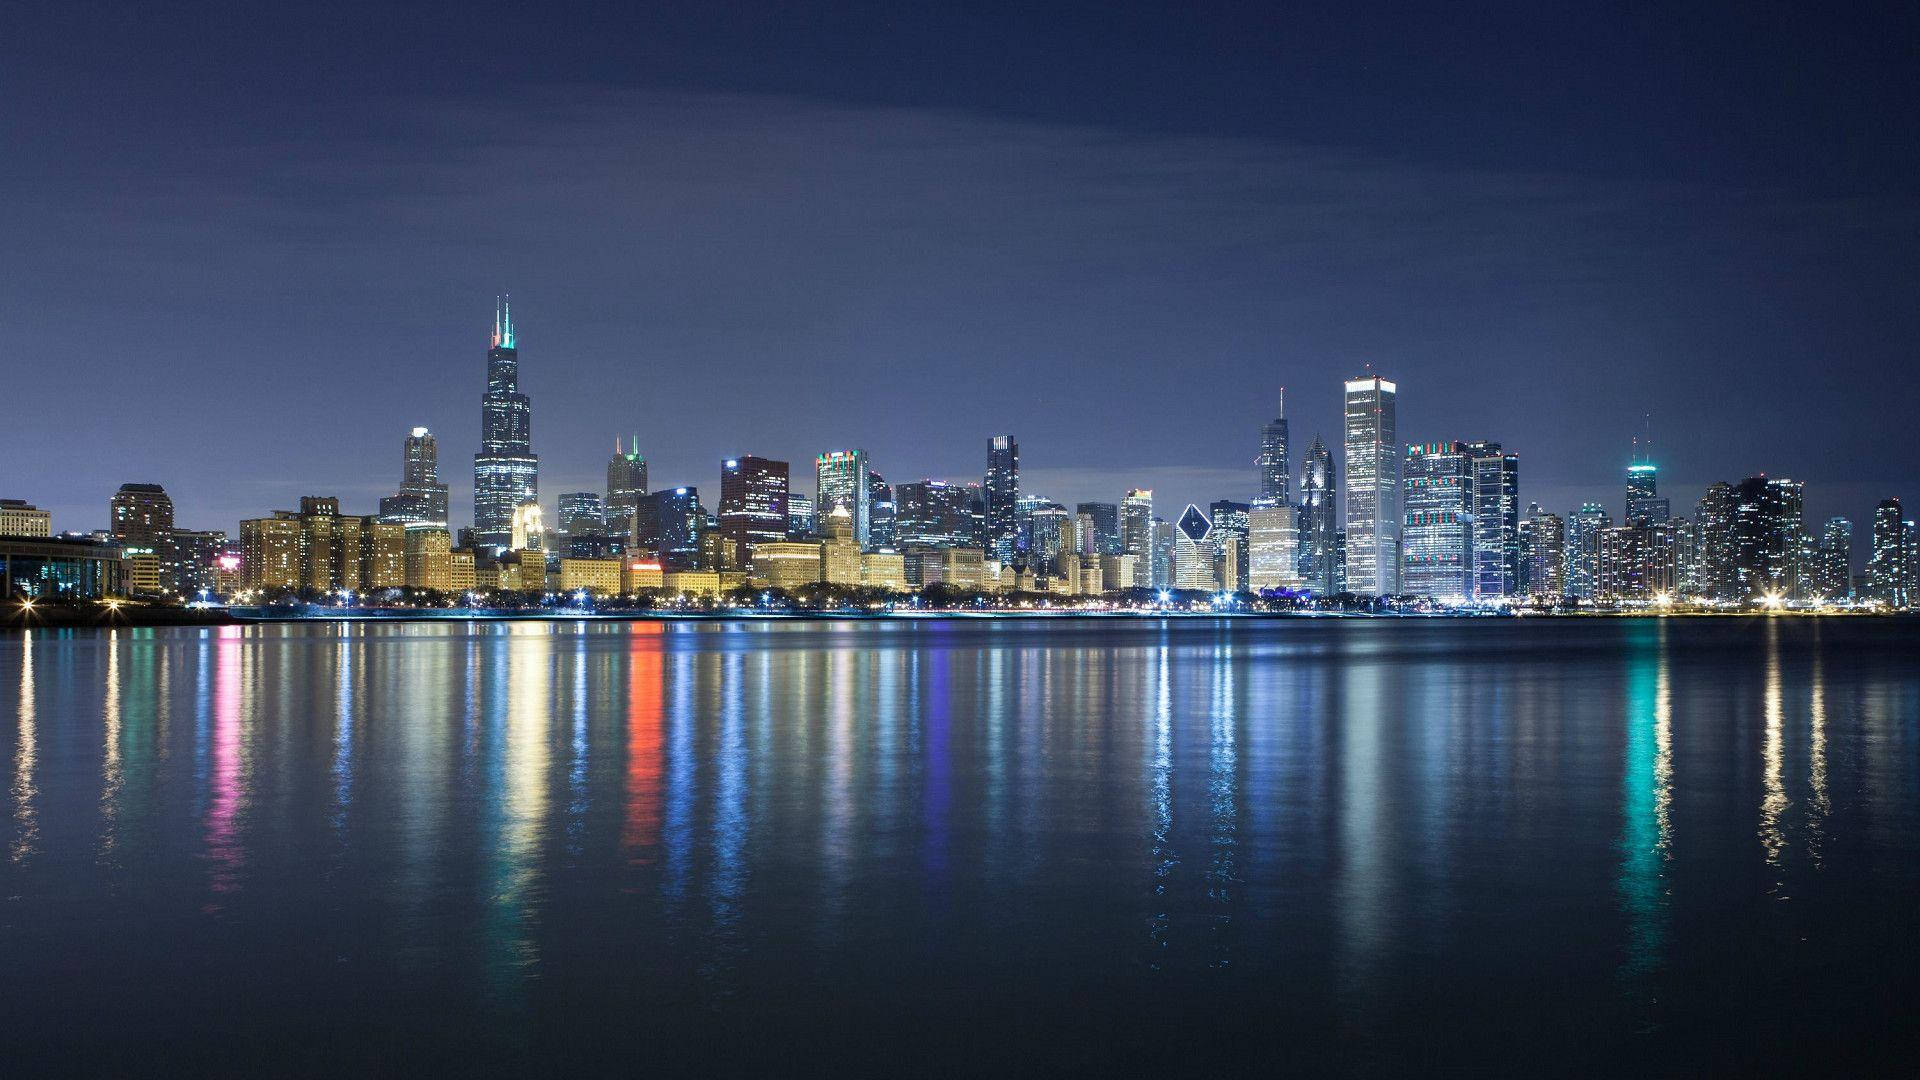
(1003, 497)
(1766, 537)
(669, 522)
(1106, 525)
(582, 514)
(933, 513)
(1275, 472)
(422, 498)
(753, 503)
(626, 482)
(1890, 566)
(1317, 502)
(141, 514)
(506, 472)
(1644, 504)
(1496, 520)
(880, 513)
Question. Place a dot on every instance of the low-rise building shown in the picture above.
(42, 566)
(786, 564)
(21, 518)
(692, 583)
(601, 577)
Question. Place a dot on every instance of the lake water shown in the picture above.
(951, 847)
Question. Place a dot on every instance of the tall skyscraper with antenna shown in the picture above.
(506, 472)
(626, 484)
(1275, 472)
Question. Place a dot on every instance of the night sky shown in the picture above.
(244, 256)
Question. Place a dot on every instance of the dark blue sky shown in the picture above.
(246, 251)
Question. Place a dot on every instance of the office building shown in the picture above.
(840, 552)
(1002, 496)
(1372, 484)
(840, 480)
(1276, 476)
(753, 504)
(1273, 556)
(1317, 527)
(800, 516)
(506, 472)
(880, 513)
(1713, 535)
(1230, 533)
(1644, 504)
(1495, 508)
(1048, 536)
(1136, 524)
(934, 513)
(1194, 555)
(668, 524)
(422, 499)
(190, 562)
(140, 513)
(1546, 557)
(787, 564)
(1890, 566)
(1833, 562)
(383, 554)
(1583, 549)
(626, 483)
(41, 567)
(21, 518)
(1160, 566)
(270, 552)
(596, 577)
(1437, 541)
(886, 570)
(1766, 538)
(1104, 519)
(582, 514)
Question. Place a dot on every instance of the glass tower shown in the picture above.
(1275, 472)
(1496, 520)
(1372, 487)
(506, 472)
(753, 503)
(1003, 497)
(1438, 539)
(1316, 534)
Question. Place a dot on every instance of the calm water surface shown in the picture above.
(1659, 846)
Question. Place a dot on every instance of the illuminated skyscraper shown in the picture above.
(1136, 526)
(840, 479)
(1713, 541)
(1193, 551)
(670, 523)
(880, 512)
(1437, 544)
(1547, 556)
(800, 519)
(1275, 473)
(626, 483)
(1644, 505)
(936, 514)
(1583, 549)
(1890, 567)
(582, 514)
(140, 514)
(423, 498)
(1372, 487)
(1002, 491)
(1833, 561)
(1230, 533)
(1766, 537)
(506, 472)
(753, 503)
(1049, 532)
(1160, 568)
(1317, 526)
(1496, 520)
(1273, 557)
(1106, 526)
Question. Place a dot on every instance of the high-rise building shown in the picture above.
(270, 552)
(1317, 525)
(1002, 491)
(1547, 557)
(1766, 537)
(422, 498)
(1230, 534)
(1049, 534)
(840, 552)
(1644, 504)
(1193, 551)
(1273, 557)
(506, 472)
(190, 561)
(669, 522)
(1890, 567)
(1495, 559)
(1136, 524)
(140, 514)
(1372, 487)
(1583, 549)
(582, 514)
(1275, 472)
(1106, 526)
(935, 514)
(800, 516)
(626, 483)
(753, 503)
(1713, 539)
(880, 513)
(1160, 566)
(1437, 542)
(840, 479)
(1833, 561)
(21, 518)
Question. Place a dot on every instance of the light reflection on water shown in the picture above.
(1342, 826)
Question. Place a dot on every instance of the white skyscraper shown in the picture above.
(1273, 550)
(1372, 488)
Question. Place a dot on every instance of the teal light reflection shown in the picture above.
(1646, 795)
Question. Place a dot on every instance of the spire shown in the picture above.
(502, 322)
(1282, 414)
(496, 322)
(616, 446)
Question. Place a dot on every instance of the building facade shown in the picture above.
(1372, 485)
(506, 472)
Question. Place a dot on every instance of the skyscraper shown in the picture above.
(1106, 526)
(1766, 537)
(934, 513)
(1193, 551)
(1002, 490)
(1136, 526)
(840, 479)
(1713, 542)
(1160, 571)
(1644, 505)
(1583, 549)
(1230, 534)
(670, 522)
(753, 503)
(1437, 544)
(582, 514)
(1273, 557)
(626, 483)
(1317, 526)
(1049, 529)
(423, 498)
(1275, 473)
(800, 518)
(140, 514)
(1372, 487)
(1546, 551)
(1496, 520)
(506, 472)
(1833, 561)
(1890, 567)
(880, 512)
